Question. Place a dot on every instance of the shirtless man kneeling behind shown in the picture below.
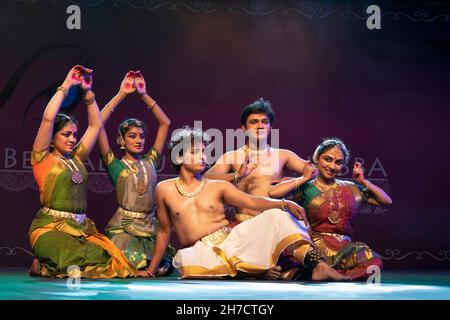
(195, 207)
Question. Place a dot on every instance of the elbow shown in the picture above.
(385, 202)
(274, 194)
(47, 119)
(164, 232)
(165, 124)
(98, 126)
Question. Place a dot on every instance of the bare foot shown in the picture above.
(142, 274)
(323, 272)
(273, 273)
(35, 269)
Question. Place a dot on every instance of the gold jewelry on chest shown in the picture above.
(189, 194)
(330, 193)
(141, 188)
(76, 177)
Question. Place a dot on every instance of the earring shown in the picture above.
(122, 146)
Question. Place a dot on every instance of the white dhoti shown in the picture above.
(252, 246)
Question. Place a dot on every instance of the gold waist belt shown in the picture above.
(340, 237)
(77, 217)
(217, 237)
(132, 214)
(241, 217)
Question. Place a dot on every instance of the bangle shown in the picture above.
(152, 106)
(63, 90)
(366, 187)
(296, 183)
(283, 207)
(90, 100)
(151, 274)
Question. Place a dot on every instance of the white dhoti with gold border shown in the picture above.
(252, 246)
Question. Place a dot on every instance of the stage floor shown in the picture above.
(15, 284)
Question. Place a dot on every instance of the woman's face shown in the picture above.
(330, 163)
(134, 140)
(65, 139)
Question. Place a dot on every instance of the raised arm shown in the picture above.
(126, 87)
(235, 197)
(163, 232)
(44, 135)
(158, 113)
(378, 196)
(221, 170)
(94, 119)
(294, 162)
(287, 187)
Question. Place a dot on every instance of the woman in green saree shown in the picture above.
(133, 227)
(61, 235)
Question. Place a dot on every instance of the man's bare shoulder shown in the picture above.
(286, 152)
(219, 183)
(230, 155)
(165, 185)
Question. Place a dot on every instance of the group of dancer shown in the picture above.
(267, 237)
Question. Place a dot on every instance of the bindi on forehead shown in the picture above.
(70, 128)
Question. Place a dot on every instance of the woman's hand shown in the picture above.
(310, 171)
(127, 85)
(86, 78)
(139, 82)
(73, 78)
(296, 210)
(358, 174)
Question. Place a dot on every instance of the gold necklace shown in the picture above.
(76, 176)
(141, 189)
(323, 187)
(189, 194)
(333, 214)
(256, 152)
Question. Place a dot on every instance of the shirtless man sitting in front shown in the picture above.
(195, 207)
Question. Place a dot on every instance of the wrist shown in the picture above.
(303, 179)
(66, 84)
(89, 97)
(152, 105)
(88, 93)
(366, 184)
(121, 95)
(144, 94)
(150, 273)
(283, 204)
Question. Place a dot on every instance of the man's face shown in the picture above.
(194, 159)
(257, 126)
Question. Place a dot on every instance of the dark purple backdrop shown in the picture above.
(385, 92)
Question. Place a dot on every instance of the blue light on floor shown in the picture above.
(16, 284)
